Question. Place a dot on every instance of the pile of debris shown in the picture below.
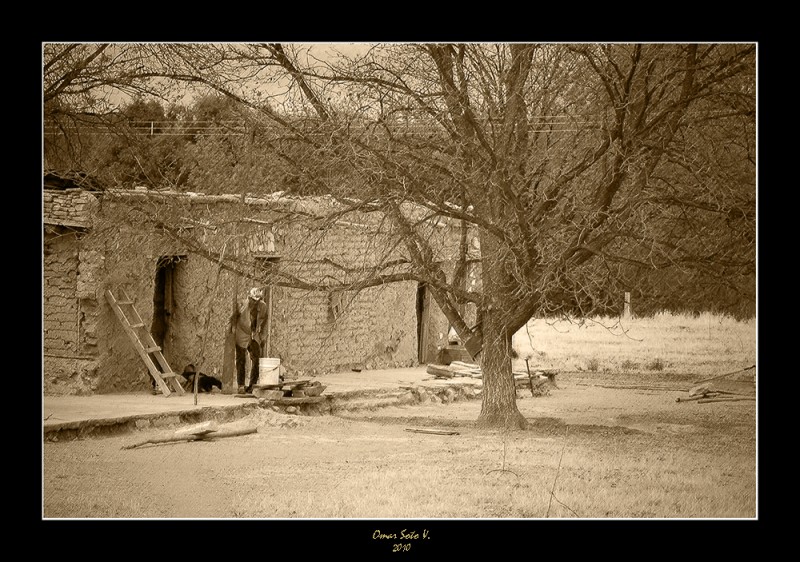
(539, 381)
(289, 389)
(455, 369)
(705, 393)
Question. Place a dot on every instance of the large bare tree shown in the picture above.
(572, 164)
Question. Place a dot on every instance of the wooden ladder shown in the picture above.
(143, 341)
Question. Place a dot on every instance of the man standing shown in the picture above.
(248, 322)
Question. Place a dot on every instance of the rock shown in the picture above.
(291, 410)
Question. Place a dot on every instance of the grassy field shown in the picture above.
(654, 347)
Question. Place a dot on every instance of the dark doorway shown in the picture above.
(163, 298)
(422, 323)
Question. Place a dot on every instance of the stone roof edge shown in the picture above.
(298, 203)
(278, 199)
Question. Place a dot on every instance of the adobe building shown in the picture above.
(184, 259)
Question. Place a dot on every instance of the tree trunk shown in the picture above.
(499, 407)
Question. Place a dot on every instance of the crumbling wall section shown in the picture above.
(64, 368)
(69, 308)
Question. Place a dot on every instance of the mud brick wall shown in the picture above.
(60, 294)
(375, 327)
(60, 329)
(88, 351)
(315, 331)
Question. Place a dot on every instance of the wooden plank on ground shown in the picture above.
(433, 431)
(468, 366)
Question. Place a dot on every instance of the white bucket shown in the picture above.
(268, 370)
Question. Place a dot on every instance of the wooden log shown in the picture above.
(199, 429)
(433, 431)
(701, 390)
(698, 397)
(724, 399)
(467, 366)
(440, 371)
(204, 437)
(749, 395)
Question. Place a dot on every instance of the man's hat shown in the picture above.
(255, 293)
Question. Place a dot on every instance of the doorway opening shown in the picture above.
(164, 299)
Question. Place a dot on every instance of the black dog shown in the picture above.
(204, 383)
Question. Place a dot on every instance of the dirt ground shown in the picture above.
(367, 464)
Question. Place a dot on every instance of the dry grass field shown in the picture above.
(593, 451)
(665, 346)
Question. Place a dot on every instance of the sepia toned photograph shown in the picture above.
(379, 282)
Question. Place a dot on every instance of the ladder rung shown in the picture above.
(137, 342)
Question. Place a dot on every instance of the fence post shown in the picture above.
(626, 311)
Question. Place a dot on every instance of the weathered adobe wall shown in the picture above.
(376, 328)
(203, 296)
(66, 369)
(69, 308)
(320, 332)
(130, 262)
